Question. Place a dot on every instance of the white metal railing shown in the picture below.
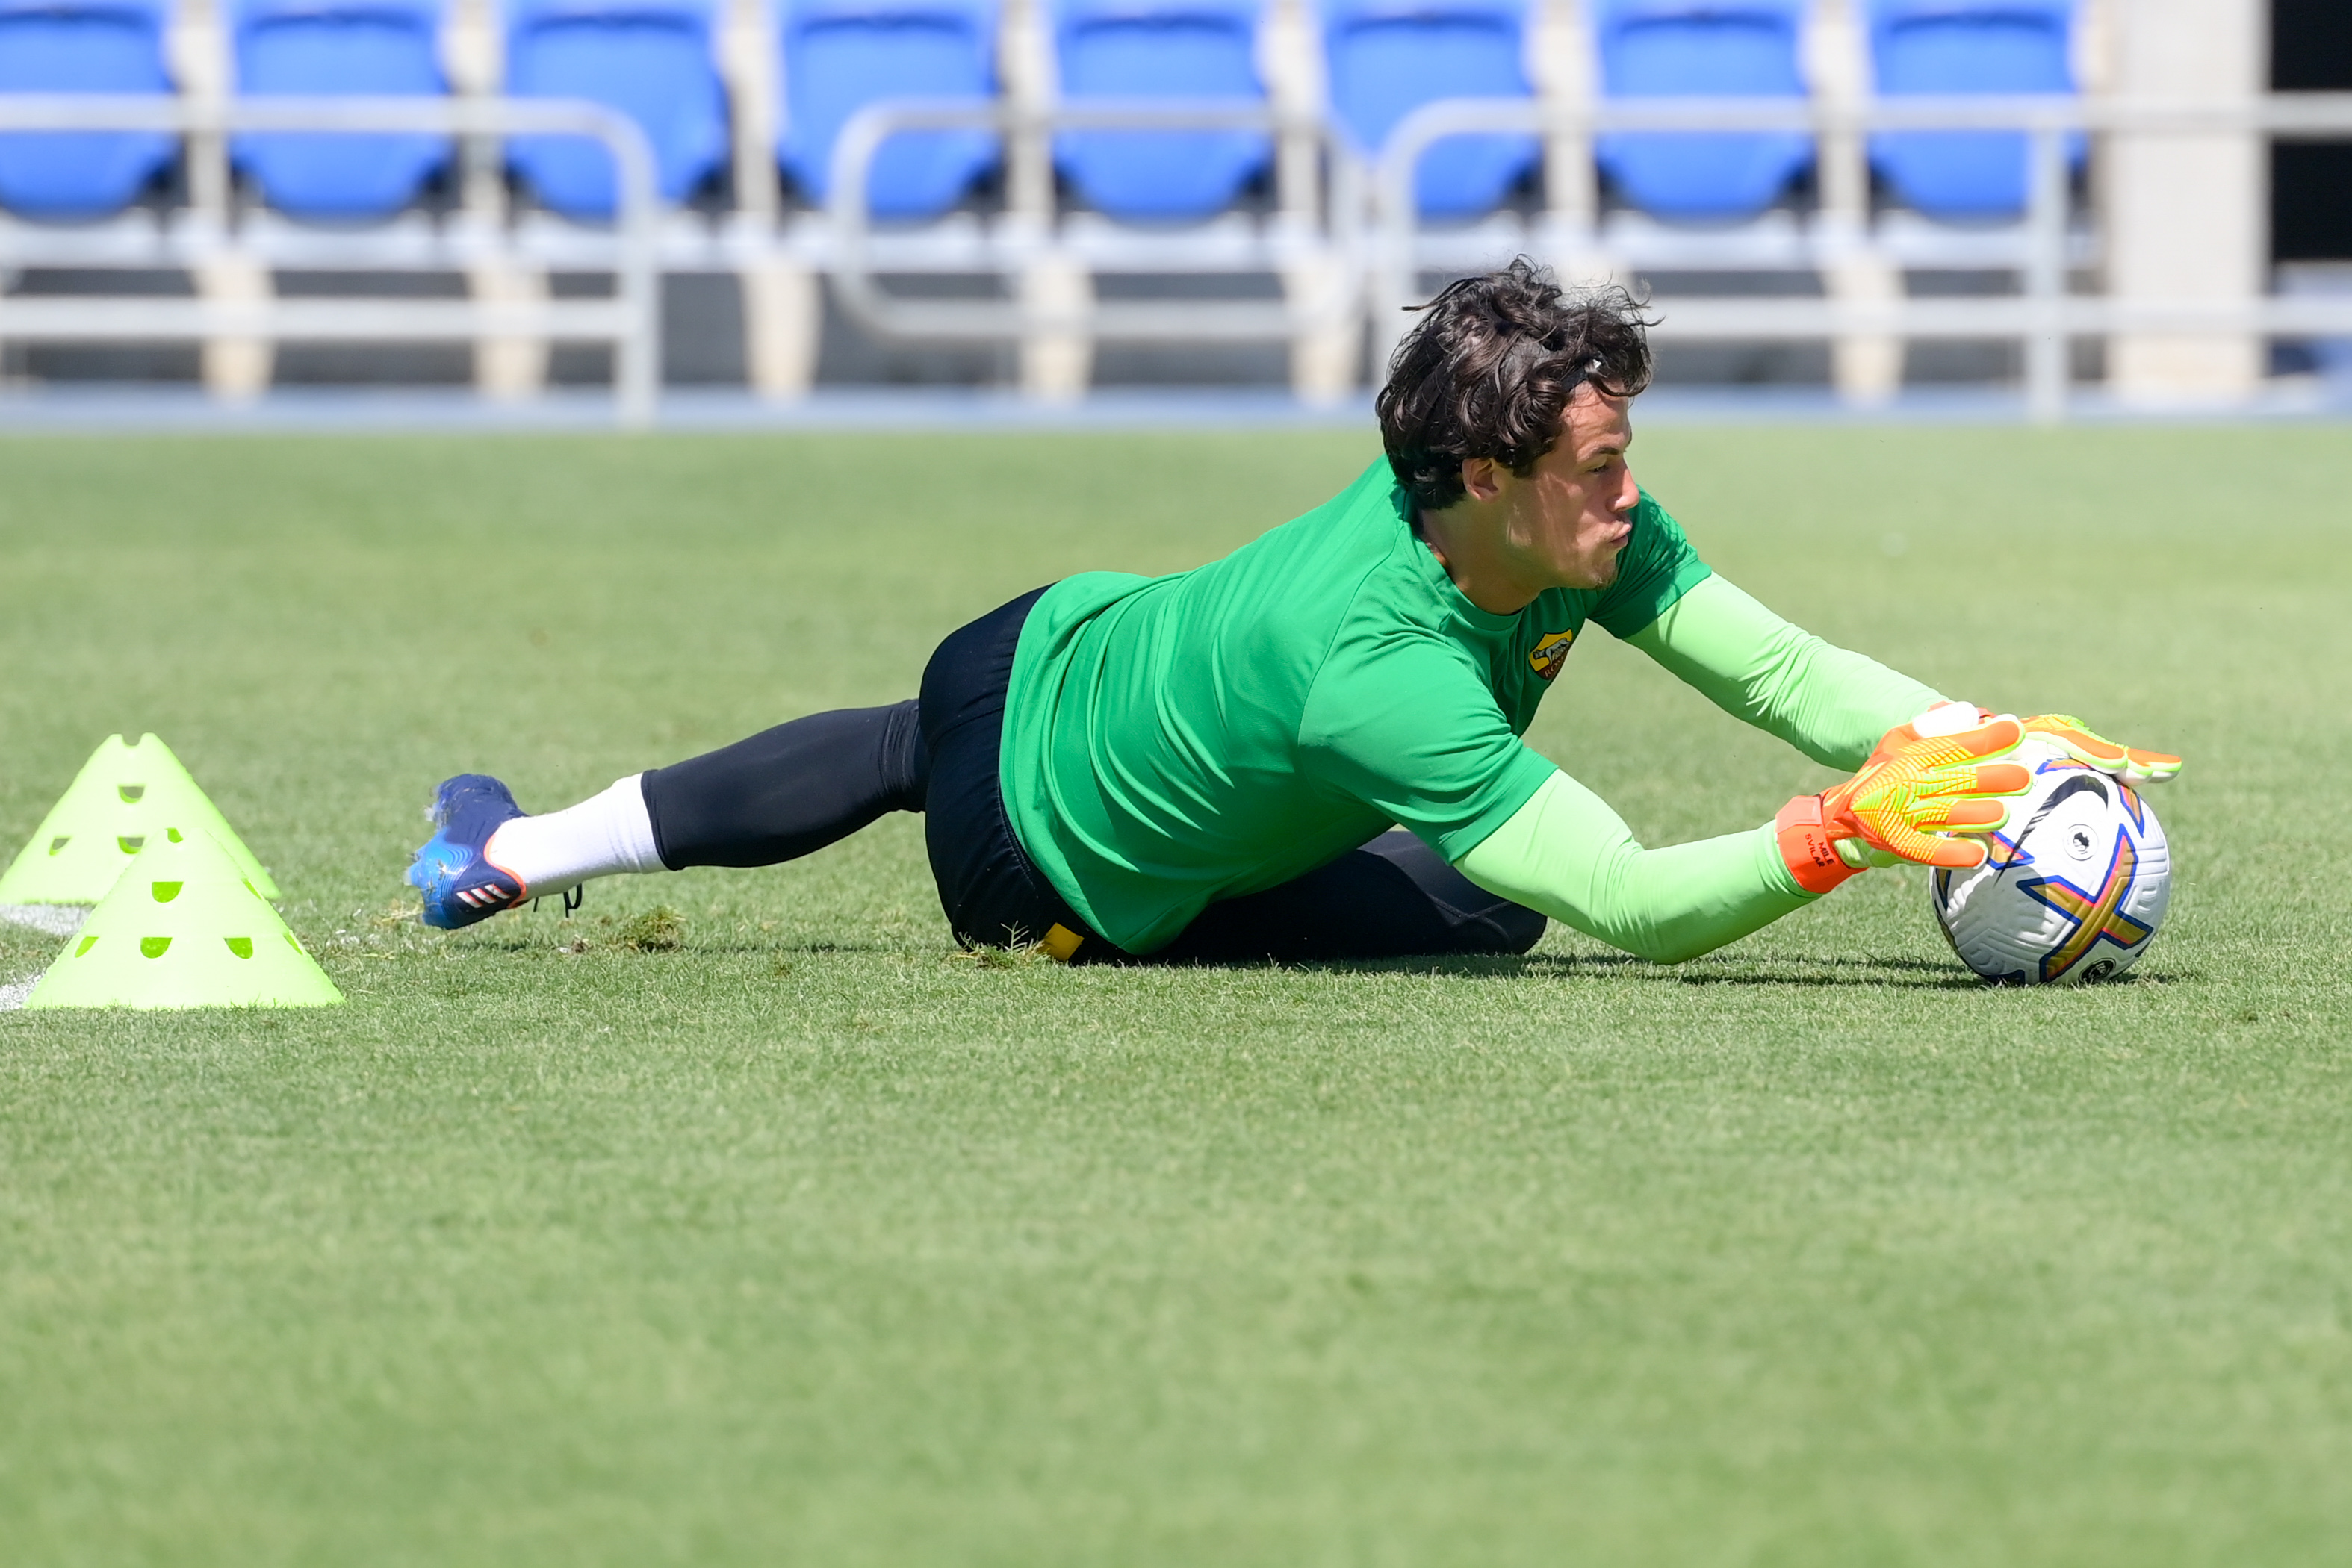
(1358, 232)
(1028, 235)
(629, 320)
(2044, 316)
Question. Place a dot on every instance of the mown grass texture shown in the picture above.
(806, 1239)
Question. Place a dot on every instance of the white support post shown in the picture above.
(473, 56)
(473, 53)
(1867, 368)
(782, 325)
(781, 309)
(2186, 214)
(509, 369)
(1024, 51)
(1561, 64)
(1324, 361)
(2047, 369)
(2092, 48)
(1056, 362)
(1290, 59)
(235, 369)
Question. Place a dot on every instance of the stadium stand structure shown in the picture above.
(81, 46)
(1042, 171)
(1203, 50)
(840, 55)
(1701, 49)
(650, 59)
(2310, 218)
(1961, 47)
(1388, 57)
(330, 47)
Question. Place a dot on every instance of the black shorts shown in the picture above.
(1393, 898)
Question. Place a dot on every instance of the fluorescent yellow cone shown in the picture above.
(123, 796)
(182, 928)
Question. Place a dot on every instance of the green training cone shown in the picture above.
(123, 796)
(182, 928)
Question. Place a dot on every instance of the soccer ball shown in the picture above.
(2073, 890)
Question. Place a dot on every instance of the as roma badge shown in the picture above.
(1549, 654)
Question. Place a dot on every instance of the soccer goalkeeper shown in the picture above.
(1310, 749)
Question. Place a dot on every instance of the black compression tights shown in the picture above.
(790, 791)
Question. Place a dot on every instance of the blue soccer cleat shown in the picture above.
(459, 886)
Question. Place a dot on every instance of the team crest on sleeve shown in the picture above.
(1550, 654)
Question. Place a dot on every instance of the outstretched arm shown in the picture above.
(1829, 703)
(1566, 854)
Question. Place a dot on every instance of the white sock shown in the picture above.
(603, 834)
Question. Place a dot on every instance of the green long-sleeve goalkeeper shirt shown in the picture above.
(1172, 741)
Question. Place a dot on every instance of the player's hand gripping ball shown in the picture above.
(1917, 787)
(2075, 886)
(1914, 791)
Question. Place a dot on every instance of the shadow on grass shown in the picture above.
(609, 937)
(1914, 973)
(1911, 974)
(1713, 969)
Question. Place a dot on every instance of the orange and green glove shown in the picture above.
(2069, 735)
(1913, 789)
(2127, 763)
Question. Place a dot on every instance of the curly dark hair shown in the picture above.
(1490, 367)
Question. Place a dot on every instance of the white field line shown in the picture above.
(56, 919)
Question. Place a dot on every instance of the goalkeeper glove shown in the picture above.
(2066, 733)
(2127, 763)
(1913, 789)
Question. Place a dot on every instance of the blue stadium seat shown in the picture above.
(80, 45)
(649, 60)
(1966, 47)
(841, 55)
(1388, 58)
(1159, 48)
(327, 48)
(1701, 49)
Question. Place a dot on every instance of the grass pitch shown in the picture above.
(777, 1231)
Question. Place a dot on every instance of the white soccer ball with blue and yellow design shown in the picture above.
(2072, 890)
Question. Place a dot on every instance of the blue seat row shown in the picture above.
(1205, 49)
(1967, 47)
(1750, 49)
(115, 48)
(1387, 57)
(841, 55)
(308, 46)
(1733, 48)
(652, 59)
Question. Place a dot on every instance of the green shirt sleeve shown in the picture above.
(1828, 703)
(1565, 852)
(1406, 728)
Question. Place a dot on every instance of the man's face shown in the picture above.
(1564, 524)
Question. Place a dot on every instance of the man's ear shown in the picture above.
(1482, 478)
